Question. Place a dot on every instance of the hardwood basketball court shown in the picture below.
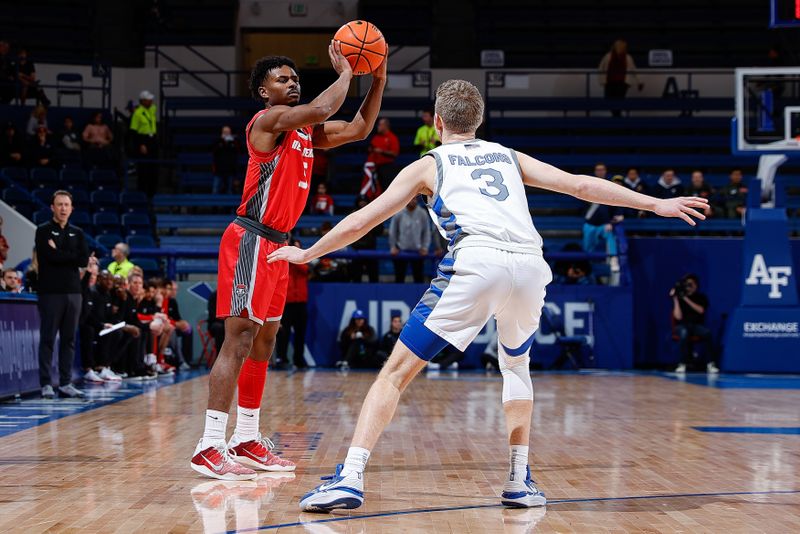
(614, 452)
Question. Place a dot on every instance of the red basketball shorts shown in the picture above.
(248, 286)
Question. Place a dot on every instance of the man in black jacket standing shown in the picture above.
(62, 252)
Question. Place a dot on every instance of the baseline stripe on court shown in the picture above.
(549, 503)
(750, 429)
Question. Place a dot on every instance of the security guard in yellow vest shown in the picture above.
(144, 129)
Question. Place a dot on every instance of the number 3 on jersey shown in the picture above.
(496, 182)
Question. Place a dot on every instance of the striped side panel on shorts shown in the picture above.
(432, 296)
(243, 274)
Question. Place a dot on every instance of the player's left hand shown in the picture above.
(380, 72)
(290, 254)
(682, 207)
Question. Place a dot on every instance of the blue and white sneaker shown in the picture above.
(522, 493)
(344, 493)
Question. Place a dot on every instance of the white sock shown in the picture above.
(518, 458)
(356, 461)
(247, 423)
(216, 423)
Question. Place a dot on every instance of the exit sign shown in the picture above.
(298, 9)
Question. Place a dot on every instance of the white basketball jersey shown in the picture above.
(479, 198)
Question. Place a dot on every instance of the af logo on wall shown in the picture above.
(775, 276)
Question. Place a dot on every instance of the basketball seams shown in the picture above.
(360, 44)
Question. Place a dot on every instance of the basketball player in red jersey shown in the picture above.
(250, 292)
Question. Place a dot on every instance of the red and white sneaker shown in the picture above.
(257, 454)
(215, 462)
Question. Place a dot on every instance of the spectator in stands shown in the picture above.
(599, 223)
(144, 130)
(3, 246)
(69, 146)
(389, 339)
(37, 120)
(295, 316)
(11, 283)
(322, 202)
(734, 195)
(409, 232)
(98, 138)
(148, 308)
(634, 182)
(699, 188)
(328, 269)
(40, 150)
(357, 343)
(427, 138)
(384, 147)
(8, 74)
(689, 308)
(32, 274)
(62, 251)
(618, 73)
(216, 327)
(226, 162)
(29, 85)
(578, 273)
(368, 241)
(668, 185)
(121, 265)
(11, 147)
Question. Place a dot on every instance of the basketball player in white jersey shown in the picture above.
(494, 266)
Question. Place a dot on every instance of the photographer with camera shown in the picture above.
(689, 308)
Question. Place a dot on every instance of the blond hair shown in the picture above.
(460, 105)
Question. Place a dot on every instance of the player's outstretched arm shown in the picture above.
(415, 179)
(334, 133)
(286, 118)
(539, 174)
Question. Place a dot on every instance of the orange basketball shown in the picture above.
(363, 45)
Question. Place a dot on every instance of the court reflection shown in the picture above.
(214, 499)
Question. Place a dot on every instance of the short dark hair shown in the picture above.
(692, 276)
(60, 193)
(633, 169)
(262, 68)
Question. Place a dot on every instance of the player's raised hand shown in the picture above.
(380, 72)
(339, 62)
(290, 254)
(682, 207)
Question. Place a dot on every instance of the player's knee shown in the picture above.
(241, 344)
(517, 383)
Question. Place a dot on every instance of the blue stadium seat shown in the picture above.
(141, 241)
(43, 177)
(148, 265)
(104, 180)
(105, 262)
(18, 174)
(136, 223)
(82, 220)
(105, 201)
(74, 179)
(42, 216)
(133, 202)
(109, 240)
(80, 200)
(106, 223)
(19, 200)
(45, 196)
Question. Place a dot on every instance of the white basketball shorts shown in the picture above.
(472, 284)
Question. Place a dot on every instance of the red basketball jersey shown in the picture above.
(277, 182)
